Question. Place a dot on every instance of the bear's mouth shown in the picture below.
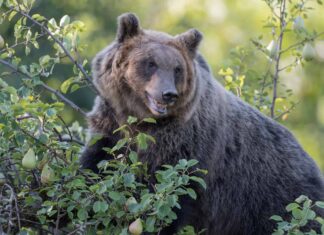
(156, 107)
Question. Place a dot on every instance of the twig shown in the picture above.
(79, 66)
(292, 107)
(289, 65)
(272, 10)
(277, 61)
(69, 132)
(50, 89)
(13, 196)
(301, 42)
(35, 223)
(23, 117)
(265, 76)
(57, 223)
(64, 139)
(20, 43)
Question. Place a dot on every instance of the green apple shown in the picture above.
(272, 48)
(130, 201)
(309, 52)
(47, 174)
(136, 227)
(29, 160)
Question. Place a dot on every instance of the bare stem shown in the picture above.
(50, 89)
(277, 60)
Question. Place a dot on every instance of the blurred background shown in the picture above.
(225, 25)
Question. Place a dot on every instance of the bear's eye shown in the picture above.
(178, 70)
(151, 65)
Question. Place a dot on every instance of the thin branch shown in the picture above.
(289, 65)
(277, 61)
(64, 139)
(13, 196)
(57, 223)
(20, 43)
(292, 107)
(50, 89)
(263, 86)
(301, 42)
(272, 10)
(70, 134)
(44, 28)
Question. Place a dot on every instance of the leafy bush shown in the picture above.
(42, 187)
(42, 181)
(303, 212)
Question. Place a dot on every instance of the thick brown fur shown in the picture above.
(255, 166)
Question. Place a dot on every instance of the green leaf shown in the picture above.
(43, 61)
(297, 213)
(278, 232)
(198, 180)
(276, 218)
(291, 206)
(129, 179)
(192, 193)
(119, 214)
(310, 215)
(149, 120)
(121, 128)
(183, 162)
(27, 50)
(131, 120)
(94, 139)
(65, 20)
(163, 211)
(133, 157)
(124, 231)
(76, 195)
(38, 17)
(52, 24)
(114, 195)
(96, 206)
(141, 141)
(301, 198)
(120, 143)
(149, 224)
(100, 206)
(192, 162)
(82, 214)
(12, 15)
(320, 204)
(66, 84)
(75, 87)
(146, 200)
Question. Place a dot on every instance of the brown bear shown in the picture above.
(255, 165)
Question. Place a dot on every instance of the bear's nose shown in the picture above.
(169, 96)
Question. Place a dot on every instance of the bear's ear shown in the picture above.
(190, 40)
(128, 26)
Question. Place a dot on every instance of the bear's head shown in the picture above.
(144, 73)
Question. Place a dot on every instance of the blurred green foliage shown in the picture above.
(225, 25)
